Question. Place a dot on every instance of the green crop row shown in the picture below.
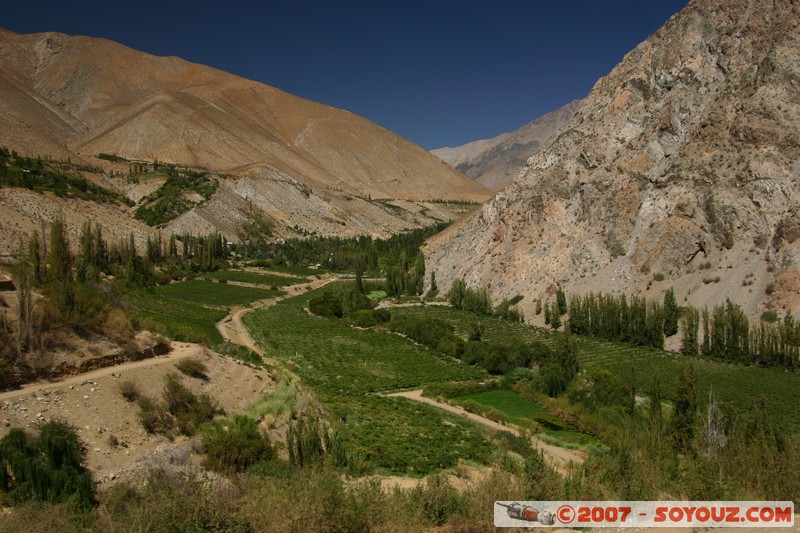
(244, 276)
(346, 367)
(741, 386)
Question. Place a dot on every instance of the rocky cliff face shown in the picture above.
(682, 163)
(494, 162)
(300, 163)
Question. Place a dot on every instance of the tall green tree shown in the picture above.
(59, 267)
(561, 302)
(690, 323)
(685, 407)
(671, 313)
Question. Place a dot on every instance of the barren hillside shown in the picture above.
(681, 165)
(302, 163)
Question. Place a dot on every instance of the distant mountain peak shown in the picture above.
(494, 162)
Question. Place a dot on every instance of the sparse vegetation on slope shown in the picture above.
(62, 179)
(173, 197)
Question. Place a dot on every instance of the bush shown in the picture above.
(130, 391)
(193, 368)
(770, 315)
(364, 318)
(327, 305)
(47, 468)
(658, 276)
(189, 410)
(181, 410)
(236, 445)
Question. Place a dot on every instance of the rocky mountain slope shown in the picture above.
(680, 169)
(293, 161)
(494, 162)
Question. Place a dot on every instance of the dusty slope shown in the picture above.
(304, 167)
(682, 161)
(85, 96)
(92, 402)
(494, 162)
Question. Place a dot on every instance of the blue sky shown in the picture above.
(438, 73)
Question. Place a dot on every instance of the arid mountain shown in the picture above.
(680, 169)
(494, 162)
(296, 162)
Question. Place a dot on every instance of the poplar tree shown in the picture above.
(671, 313)
(685, 407)
(690, 322)
(59, 267)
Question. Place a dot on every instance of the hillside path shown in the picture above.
(179, 350)
(232, 327)
(558, 458)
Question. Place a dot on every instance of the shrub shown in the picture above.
(193, 368)
(770, 288)
(327, 305)
(154, 417)
(658, 276)
(236, 445)
(180, 410)
(364, 318)
(130, 391)
(47, 468)
(770, 315)
(189, 410)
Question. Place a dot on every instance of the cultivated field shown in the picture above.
(740, 385)
(189, 310)
(347, 367)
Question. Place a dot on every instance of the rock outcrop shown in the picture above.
(682, 164)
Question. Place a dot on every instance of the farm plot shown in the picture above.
(256, 278)
(346, 366)
(210, 294)
(188, 311)
(741, 386)
(528, 414)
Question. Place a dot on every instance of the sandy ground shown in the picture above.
(117, 447)
(558, 458)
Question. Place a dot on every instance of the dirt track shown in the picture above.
(558, 458)
(180, 350)
(233, 329)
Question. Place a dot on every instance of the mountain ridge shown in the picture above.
(678, 170)
(75, 97)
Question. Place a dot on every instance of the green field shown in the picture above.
(189, 310)
(527, 414)
(179, 320)
(740, 385)
(346, 367)
(210, 294)
(519, 411)
(244, 276)
(291, 270)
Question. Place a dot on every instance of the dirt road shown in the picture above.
(233, 329)
(180, 350)
(558, 458)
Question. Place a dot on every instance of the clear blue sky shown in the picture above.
(440, 73)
